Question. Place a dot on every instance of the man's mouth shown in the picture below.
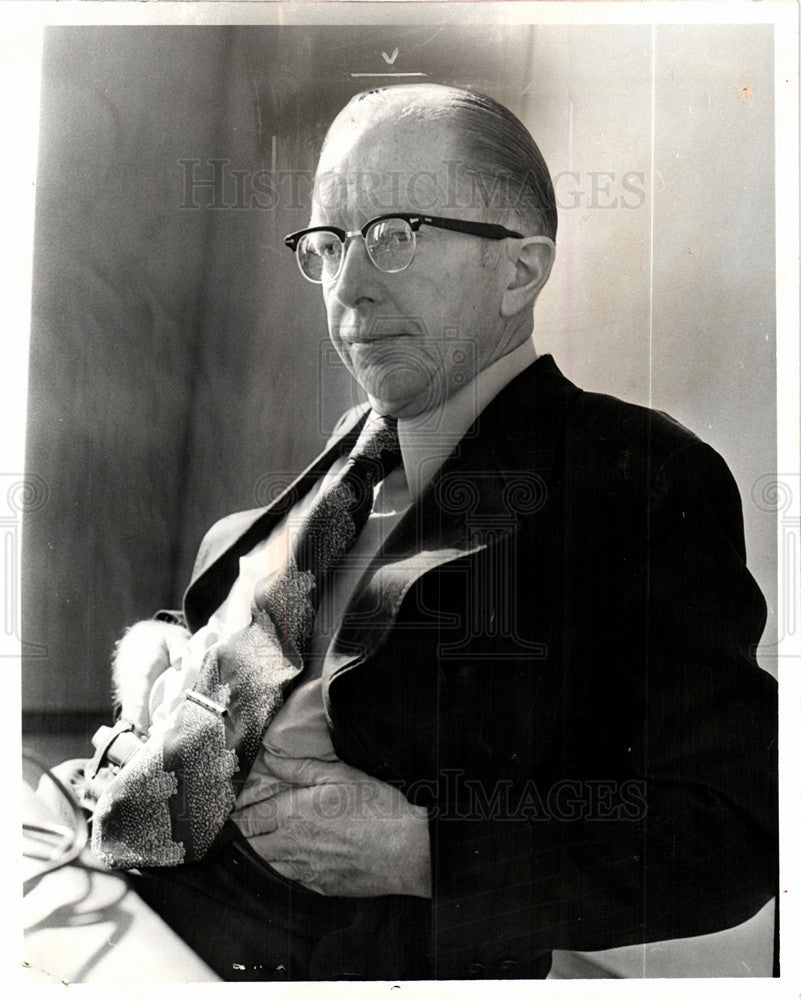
(355, 340)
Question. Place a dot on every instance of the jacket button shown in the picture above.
(475, 969)
(508, 965)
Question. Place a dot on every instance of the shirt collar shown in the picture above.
(428, 439)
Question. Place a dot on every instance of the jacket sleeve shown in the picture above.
(665, 819)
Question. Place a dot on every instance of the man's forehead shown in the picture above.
(388, 166)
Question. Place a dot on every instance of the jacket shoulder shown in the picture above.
(640, 455)
(615, 418)
(627, 436)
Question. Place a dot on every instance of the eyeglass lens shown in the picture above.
(390, 244)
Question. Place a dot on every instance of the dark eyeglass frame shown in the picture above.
(487, 230)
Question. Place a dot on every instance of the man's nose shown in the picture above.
(358, 279)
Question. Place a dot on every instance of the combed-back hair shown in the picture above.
(503, 165)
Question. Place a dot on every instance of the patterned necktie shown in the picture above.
(169, 802)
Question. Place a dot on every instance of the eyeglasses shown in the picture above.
(389, 239)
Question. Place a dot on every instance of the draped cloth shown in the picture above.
(169, 802)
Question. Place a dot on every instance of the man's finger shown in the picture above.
(287, 869)
(310, 771)
(258, 818)
(298, 870)
(280, 846)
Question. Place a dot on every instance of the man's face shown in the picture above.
(412, 337)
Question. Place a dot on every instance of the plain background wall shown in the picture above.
(179, 363)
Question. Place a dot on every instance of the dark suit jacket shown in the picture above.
(554, 653)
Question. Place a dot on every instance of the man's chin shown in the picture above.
(405, 407)
(401, 397)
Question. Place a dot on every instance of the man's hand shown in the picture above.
(144, 652)
(340, 832)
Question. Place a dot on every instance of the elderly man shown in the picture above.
(524, 711)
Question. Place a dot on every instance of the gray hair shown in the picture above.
(503, 163)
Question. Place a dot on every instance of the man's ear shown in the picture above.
(533, 258)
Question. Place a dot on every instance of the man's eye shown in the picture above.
(325, 246)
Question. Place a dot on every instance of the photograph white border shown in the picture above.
(22, 23)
